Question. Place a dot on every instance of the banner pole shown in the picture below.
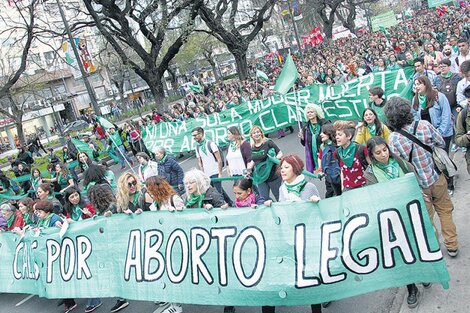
(124, 157)
(297, 109)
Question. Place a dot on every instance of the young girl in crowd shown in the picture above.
(244, 194)
(351, 156)
(329, 165)
(25, 205)
(36, 180)
(76, 208)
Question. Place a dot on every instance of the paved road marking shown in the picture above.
(24, 300)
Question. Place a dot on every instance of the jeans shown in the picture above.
(121, 154)
(218, 185)
(437, 199)
(93, 302)
(270, 186)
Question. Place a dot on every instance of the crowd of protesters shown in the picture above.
(350, 154)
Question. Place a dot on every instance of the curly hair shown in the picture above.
(315, 108)
(203, 182)
(123, 190)
(159, 188)
(398, 113)
(101, 198)
(94, 173)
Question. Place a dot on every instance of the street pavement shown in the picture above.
(392, 300)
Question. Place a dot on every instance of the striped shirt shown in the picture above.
(422, 160)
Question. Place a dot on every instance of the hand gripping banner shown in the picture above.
(288, 254)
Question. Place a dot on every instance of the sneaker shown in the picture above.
(325, 304)
(450, 191)
(91, 308)
(412, 299)
(174, 308)
(120, 304)
(463, 149)
(229, 309)
(162, 306)
(454, 148)
(70, 308)
(453, 252)
(427, 285)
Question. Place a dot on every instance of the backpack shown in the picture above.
(330, 165)
(208, 143)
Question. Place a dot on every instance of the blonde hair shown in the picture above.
(122, 197)
(203, 182)
(316, 108)
(252, 130)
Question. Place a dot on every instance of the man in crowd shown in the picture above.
(463, 55)
(421, 70)
(433, 184)
(463, 83)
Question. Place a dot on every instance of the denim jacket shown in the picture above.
(440, 115)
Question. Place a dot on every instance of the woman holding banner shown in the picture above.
(131, 197)
(384, 167)
(295, 188)
(200, 193)
(164, 196)
(310, 135)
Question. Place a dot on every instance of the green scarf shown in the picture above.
(296, 188)
(11, 220)
(448, 75)
(325, 144)
(233, 146)
(203, 146)
(76, 213)
(263, 170)
(387, 172)
(315, 130)
(422, 101)
(347, 154)
(35, 182)
(372, 129)
(163, 160)
(27, 219)
(45, 222)
(135, 198)
(193, 199)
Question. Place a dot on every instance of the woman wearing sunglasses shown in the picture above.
(131, 197)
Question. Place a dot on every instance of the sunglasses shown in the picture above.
(134, 183)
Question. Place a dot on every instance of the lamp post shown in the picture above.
(91, 92)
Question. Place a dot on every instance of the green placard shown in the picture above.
(339, 101)
(287, 254)
(385, 20)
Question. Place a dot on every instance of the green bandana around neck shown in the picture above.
(193, 199)
(163, 160)
(347, 154)
(326, 144)
(203, 146)
(385, 172)
(233, 146)
(45, 222)
(10, 220)
(448, 75)
(372, 129)
(135, 198)
(422, 101)
(297, 186)
(27, 219)
(76, 213)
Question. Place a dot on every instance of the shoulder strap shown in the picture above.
(414, 139)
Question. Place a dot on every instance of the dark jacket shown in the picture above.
(461, 129)
(171, 171)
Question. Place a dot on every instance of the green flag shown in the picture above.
(195, 88)
(104, 122)
(83, 147)
(262, 75)
(288, 76)
(384, 31)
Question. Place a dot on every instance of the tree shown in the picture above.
(144, 28)
(236, 27)
(18, 32)
(326, 9)
(350, 6)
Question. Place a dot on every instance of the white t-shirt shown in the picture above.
(235, 161)
(209, 163)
